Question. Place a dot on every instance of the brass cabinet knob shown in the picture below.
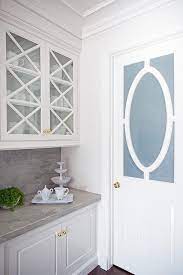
(61, 233)
(47, 131)
(117, 184)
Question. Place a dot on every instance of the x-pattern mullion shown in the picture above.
(61, 94)
(22, 50)
(64, 66)
(24, 86)
(22, 54)
(24, 119)
(61, 67)
(61, 121)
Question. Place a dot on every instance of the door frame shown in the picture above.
(108, 190)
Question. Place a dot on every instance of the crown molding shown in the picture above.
(94, 9)
(71, 7)
(40, 14)
(125, 15)
(19, 23)
(98, 7)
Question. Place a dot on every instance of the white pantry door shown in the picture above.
(147, 159)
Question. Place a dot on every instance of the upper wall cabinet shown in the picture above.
(38, 89)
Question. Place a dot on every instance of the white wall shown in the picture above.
(89, 164)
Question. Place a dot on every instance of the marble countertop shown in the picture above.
(31, 216)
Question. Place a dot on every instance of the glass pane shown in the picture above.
(62, 75)
(53, 64)
(54, 121)
(24, 63)
(24, 95)
(11, 49)
(25, 129)
(61, 102)
(69, 122)
(25, 78)
(62, 87)
(35, 119)
(61, 58)
(35, 57)
(24, 43)
(148, 119)
(54, 94)
(69, 70)
(24, 110)
(69, 96)
(62, 130)
(12, 83)
(62, 114)
(12, 118)
(35, 88)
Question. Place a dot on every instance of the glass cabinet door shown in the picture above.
(61, 94)
(23, 86)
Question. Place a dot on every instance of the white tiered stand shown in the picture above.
(61, 180)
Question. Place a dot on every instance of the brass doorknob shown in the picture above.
(117, 184)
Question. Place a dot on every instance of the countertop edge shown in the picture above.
(50, 219)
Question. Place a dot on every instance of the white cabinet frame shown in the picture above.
(9, 141)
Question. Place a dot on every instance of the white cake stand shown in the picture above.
(61, 180)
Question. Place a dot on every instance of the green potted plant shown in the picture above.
(11, 197)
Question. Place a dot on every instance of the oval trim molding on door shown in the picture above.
(169, 122)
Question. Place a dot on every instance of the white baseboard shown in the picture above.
(87, 267)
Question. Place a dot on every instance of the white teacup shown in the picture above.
(61, 192)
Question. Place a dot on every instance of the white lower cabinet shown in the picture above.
(79, 243)
(1, 259)
(66, 248)
(36, 254)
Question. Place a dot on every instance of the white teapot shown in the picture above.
(45, 193)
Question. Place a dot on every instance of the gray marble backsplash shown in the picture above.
(29, 170)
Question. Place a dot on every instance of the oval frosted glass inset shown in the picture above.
(148, 119)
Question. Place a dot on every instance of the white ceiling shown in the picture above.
(86, 7)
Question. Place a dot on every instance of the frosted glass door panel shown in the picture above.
(61, 94)
(23, 85)
(149, 123)
(148, 119)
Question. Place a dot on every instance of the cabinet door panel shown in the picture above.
(22, 104)
(61, 94)
(33, 255)
(79, 241)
